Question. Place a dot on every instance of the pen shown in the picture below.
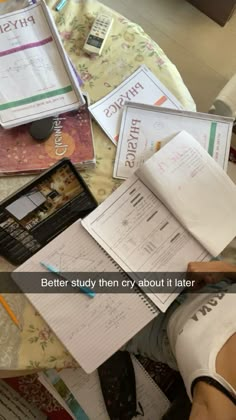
(56, 270)
(60, 5)
(10, 313)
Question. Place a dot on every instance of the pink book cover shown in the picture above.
(72, 137)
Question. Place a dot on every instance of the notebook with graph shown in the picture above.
(91, 329)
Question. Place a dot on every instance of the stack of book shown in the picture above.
(38, 81)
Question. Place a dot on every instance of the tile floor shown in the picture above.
(203, 51)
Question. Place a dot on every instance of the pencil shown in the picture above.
(10, 313)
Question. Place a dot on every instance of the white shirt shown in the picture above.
(197, 331)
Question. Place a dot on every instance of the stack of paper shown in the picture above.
(37, 79)
(85, 392)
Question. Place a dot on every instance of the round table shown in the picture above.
(127, 47)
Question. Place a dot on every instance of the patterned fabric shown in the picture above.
(127, 48)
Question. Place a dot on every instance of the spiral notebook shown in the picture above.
(91, 329)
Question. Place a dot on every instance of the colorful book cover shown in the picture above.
(72, 137)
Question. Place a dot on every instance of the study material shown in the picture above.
(72, 137)
(50, 388)
(178, 207)
(152, 224)
(11, 314)
(37, 80)
(35, 393)
(13, 406)
(91, 329)
(56, 270)
(142, 87)
(39, 211)
(86, 389)
(203, 197)
(145, 129)
(53, 383)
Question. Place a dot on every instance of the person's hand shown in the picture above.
(208, 272)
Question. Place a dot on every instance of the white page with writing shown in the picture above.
(145, 129)
(87, 391)
(92, 329)
(195, 189)
(140, 233)
(143, 87)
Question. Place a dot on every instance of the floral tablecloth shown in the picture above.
(36, 347)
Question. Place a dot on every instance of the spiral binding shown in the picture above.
(146, 300)
(161, 393)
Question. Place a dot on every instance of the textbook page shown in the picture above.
(142, 86)
(87, 390)
(143, 237)
(195, 189)
(92, 329)
(37, 79)
(145, 129)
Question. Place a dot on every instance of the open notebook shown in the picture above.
(180, 206)
(91, 329)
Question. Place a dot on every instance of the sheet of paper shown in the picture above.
(36, 76)
(195, 189)
(142, 87)
(91, 329)
(87, 390)
(138, 231)
(13, 406)
(145, 129)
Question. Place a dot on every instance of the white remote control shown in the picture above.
(98, 34)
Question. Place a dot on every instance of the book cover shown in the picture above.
(145, 129)
(142, 87)
(30, 388)
(72, 137)
(37, 78)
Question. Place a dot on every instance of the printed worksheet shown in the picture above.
(142, 236)
(142, 87)
(145, 129)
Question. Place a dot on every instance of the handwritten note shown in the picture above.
(195, 189)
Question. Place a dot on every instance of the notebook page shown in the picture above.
(142, 236)
(91, 329)
(86, 389)
(195, 189)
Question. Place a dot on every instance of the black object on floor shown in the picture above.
(117, 379)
